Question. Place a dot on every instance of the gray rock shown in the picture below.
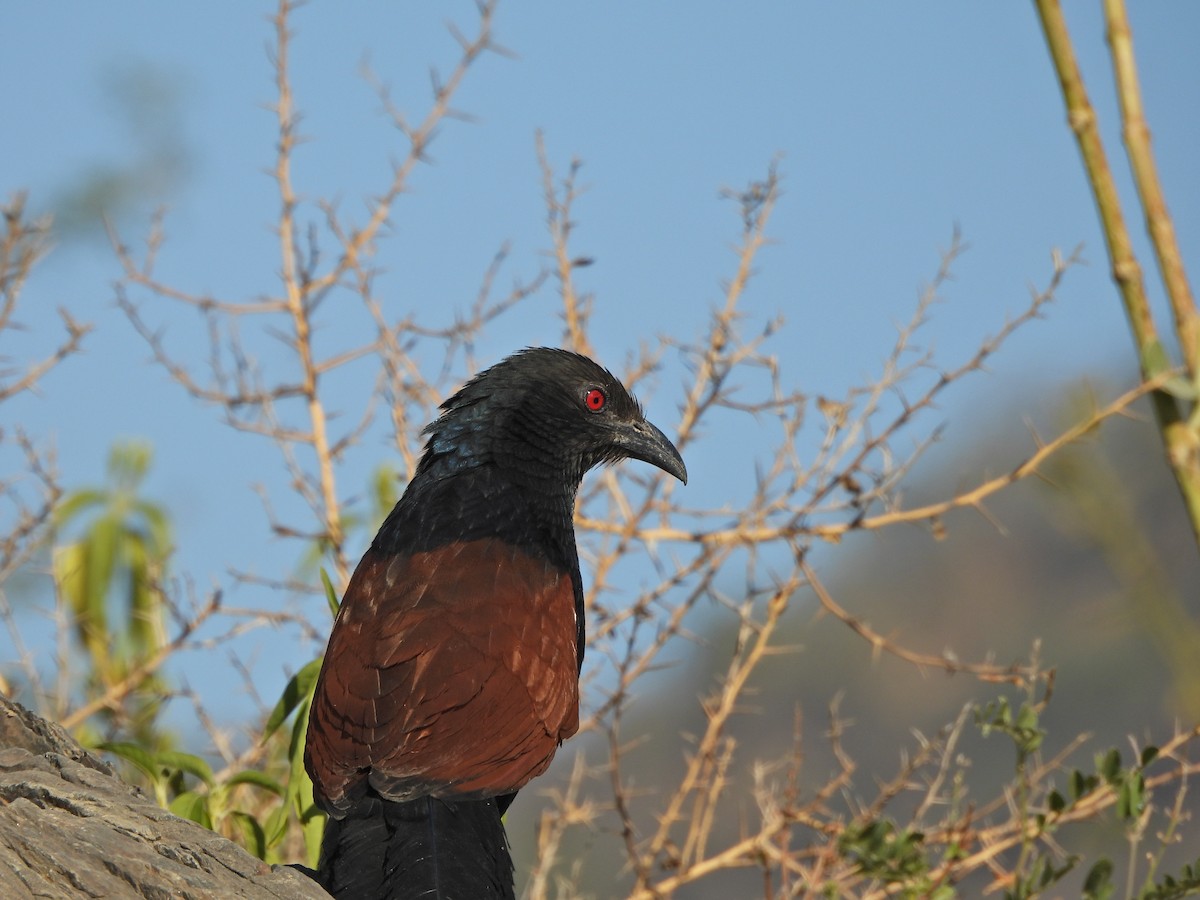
(69, 828)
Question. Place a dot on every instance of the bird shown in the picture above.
(451, 675)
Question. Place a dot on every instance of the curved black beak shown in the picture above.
(642, 440)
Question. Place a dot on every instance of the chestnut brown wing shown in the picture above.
(451, 673)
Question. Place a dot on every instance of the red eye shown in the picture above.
(595, 399)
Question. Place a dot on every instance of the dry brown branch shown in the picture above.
(23, 244)
(1014, 674)
(292, 410)
(29, 494)
(419, 138)
(35, 371)
(571, 809)
(26, 529)
(930, 512)
(298, 302)
(998, 839)
(705, 762)
(559, 201)
(669, 836)
(116, 692)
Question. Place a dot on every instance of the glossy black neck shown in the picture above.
(532, 513)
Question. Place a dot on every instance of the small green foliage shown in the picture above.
(1129, 784)
(110, 559)
(300, 794)
(254, 838)
(1187, 884)
(194, 806)
(1082, 784)
(331, 596)
(187, 786)
(1098, 883)
(1131, 796)
(145, 762)
(298, 800)
(1041, 874)
(883, 851)
(298, 690)
(186, 762)
(1108, 765)
(1023, 728)
(259, 779)
(208, 801)
(1039, 805)
(1056, 802)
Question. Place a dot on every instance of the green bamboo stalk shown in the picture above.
(1180, 440)
(1136, 135)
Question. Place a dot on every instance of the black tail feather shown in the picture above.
(428, 848)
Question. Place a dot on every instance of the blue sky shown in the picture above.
(891, 124)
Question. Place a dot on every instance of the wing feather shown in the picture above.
(450, 673)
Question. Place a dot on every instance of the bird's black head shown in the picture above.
(542, 415)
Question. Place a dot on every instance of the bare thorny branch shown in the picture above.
(29, 495)
(850, 485)
(22, 245)
(267, 406)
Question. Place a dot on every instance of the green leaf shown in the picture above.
(134, 754)
(299, 689)
(300, 792)
(258, 779)
(1098, 883)
(146, 634)
(299, 788)
(1131, 798)
(276, 826)
(331, 596)
(1149, 754)
(1027, 718)
(1082, 784)
(70, 574)
(159, 525)
(76, 502)
(128, 463)
(253, 835)
(1056, 802)
(313, 829)
(193, 806)
(1109, 765)
(102, 544)
(186, 762)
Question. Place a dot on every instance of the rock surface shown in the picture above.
(70, 828)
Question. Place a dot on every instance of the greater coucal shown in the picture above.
(452, 673)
